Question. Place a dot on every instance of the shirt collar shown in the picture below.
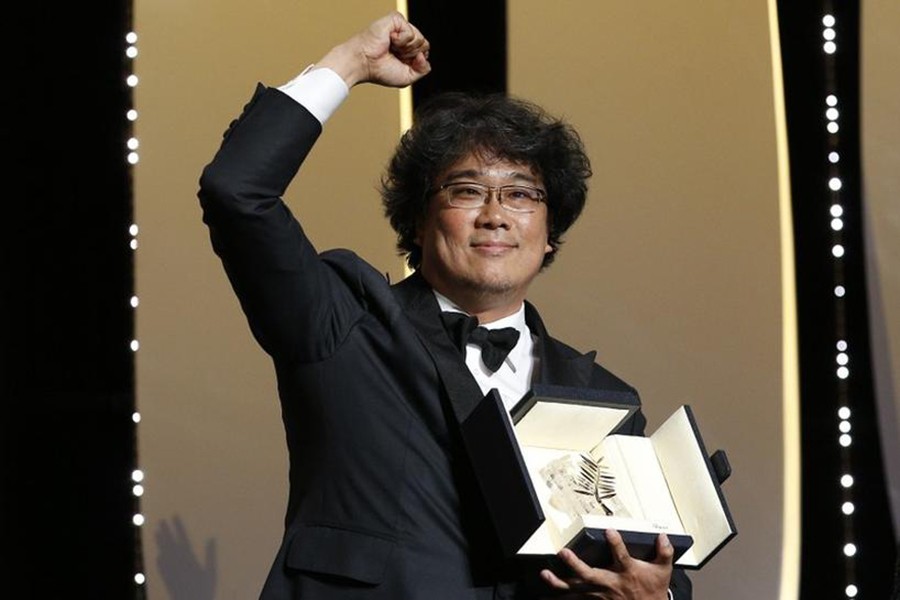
(517, 319)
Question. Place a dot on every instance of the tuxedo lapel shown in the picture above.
(421, 308)
(556, 368)
(423, 311)
(561, 365)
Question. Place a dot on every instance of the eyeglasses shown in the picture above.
(514, 198)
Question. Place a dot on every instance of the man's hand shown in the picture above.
(389, 52)
(627, 579)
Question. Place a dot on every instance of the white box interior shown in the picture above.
(662, 480)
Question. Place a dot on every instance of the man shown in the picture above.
(382, 500)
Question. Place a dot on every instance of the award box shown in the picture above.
(554, 474)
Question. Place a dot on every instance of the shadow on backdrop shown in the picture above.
(184, 576)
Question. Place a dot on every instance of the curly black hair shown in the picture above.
(453, 125)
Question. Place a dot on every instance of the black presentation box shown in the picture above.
(554, 475)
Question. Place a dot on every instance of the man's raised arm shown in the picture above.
(389, 52)
(284, 290)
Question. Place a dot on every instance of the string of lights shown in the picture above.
(137, 475)
(842, 346)
(847, 539)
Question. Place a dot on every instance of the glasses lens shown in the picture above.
(466, 195)
(520, 198)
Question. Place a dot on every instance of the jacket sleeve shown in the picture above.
(680, 585)
(297, 306)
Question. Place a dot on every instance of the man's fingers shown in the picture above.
(407, 47)
(664, 550)
(618, 548)
(417, 35)
(586, 581)
(627, 577)
(552, 580)
(584, 573)
(408, 54)
(420, 64)
(404, 33)
(581, 569)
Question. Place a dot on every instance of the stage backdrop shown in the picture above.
(211, 440)
(674, 274)
(880, 97)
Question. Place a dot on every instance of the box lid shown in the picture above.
(574, 419)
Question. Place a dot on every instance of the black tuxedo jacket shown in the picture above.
(382, 503)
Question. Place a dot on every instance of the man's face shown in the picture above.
(485, 252)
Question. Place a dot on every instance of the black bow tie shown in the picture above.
(495, 343)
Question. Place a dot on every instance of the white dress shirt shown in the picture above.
(320, 91)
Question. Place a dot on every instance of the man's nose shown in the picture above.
(492, 214)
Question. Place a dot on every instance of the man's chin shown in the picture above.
(491, 286)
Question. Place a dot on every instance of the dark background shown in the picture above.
(809, 76)
(67, 445)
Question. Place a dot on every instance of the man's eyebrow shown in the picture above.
(475, 173)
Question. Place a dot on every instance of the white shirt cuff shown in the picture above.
(320, 91)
